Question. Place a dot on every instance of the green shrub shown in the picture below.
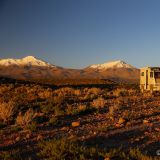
(124, 93)
(63, 149)
(80, 109)
(32, 126)
(53, 121)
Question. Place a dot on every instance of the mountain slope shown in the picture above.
(29, 61)
(115, 70)
(111, 64)
(32, 68)
(26, 68)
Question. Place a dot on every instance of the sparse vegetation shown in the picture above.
(26, 119)
(7, 110)
(67, 149)
(102, 117)
(73, 149)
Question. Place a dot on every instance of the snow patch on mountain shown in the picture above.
(111, 64)
(29, 61)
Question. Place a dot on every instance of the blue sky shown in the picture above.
(77, 33)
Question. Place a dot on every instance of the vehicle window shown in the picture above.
(157, 74)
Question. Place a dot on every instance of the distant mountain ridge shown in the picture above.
(112, 64)
(29, 60)
(32, 68)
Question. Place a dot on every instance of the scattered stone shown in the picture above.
(157, 129)
(71, 137)
(17, 139)
(64, 129)
(121, 121)
(117, 125)
(28, 136)
(128, 124)
(145, 121)
(137, 139)
(76, 124)
(111, 117)
(39, 137)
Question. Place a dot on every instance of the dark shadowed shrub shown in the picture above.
(64, 149)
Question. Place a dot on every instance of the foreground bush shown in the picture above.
(98, 103)
(64, 149)
(26, 119)
(7, 110)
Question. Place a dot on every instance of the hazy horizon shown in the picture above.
(75, 34)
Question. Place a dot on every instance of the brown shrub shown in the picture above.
(26, 119)
(7, 110)
(98, 103)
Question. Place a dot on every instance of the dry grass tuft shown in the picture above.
(7, 110)
(26, 119)
(98, 103)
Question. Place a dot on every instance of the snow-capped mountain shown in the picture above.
(32, 68)
(26, 61)
(111, 65)
(27, 68)
(114, 70)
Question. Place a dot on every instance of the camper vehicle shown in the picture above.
(150, 79)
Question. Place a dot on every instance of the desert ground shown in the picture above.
(78, 120)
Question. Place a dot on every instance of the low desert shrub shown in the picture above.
(25, 119)
(135, 153)
(130, 154)
(67, 150)
(58, 149)
(98, 103)
(53, 105)
(112, 110)
(7, 110)
(128, 115)
(32, 126)
(47, 108)
(79, 109)
(69, 109)
(123, 93)
(53, 121)
(58, 111)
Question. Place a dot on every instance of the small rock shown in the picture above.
(157, 129)
(71, 137)
(117, 125)
(145, 121)
(121, 121)
(137, 139)
(128, 124)
(39, 137)
(28, 136)
(64, 129)
(76, 124)
(146, 133)
(17, 139)
(111, 117)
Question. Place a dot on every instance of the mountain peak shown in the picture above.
(111, 64)
(30, 58)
